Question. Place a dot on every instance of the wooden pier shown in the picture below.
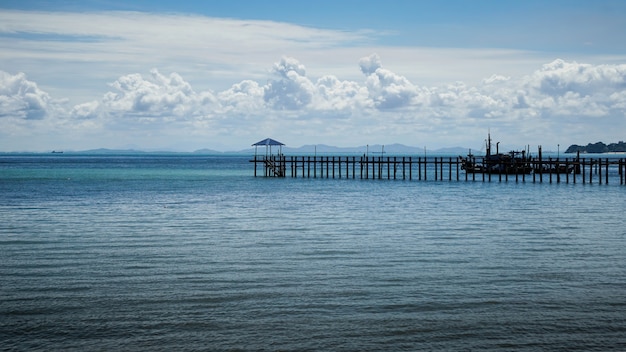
(585, 170)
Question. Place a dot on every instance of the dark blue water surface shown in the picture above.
(190, 252)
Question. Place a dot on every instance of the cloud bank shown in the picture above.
(559, 98)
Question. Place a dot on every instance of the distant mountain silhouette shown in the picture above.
(372, 150)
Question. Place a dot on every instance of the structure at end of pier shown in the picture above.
(273, 166)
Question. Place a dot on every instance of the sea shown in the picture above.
(186, 252)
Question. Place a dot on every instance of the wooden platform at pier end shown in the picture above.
(585, 170)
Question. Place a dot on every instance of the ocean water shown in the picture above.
(192, 253)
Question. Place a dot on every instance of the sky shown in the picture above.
(222, 75)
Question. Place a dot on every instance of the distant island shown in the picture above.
(598, 147)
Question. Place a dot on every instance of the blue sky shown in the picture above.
(187, 75)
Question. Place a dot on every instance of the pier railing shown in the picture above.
(552, 170)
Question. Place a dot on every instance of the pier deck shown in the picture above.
(586, 170)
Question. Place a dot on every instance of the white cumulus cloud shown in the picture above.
(160, 96)
(293, 90)
(244, 97)
(387, 89)
(22, 98)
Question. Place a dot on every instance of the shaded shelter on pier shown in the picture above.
(268, 143)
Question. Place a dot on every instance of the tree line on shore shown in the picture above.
(598, 147)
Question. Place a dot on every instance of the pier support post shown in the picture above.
(599, 171)
(419, 168)
(361, 166)
(441, 167)
(582, 173)
(550, 168)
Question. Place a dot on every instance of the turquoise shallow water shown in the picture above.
(182, 252)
